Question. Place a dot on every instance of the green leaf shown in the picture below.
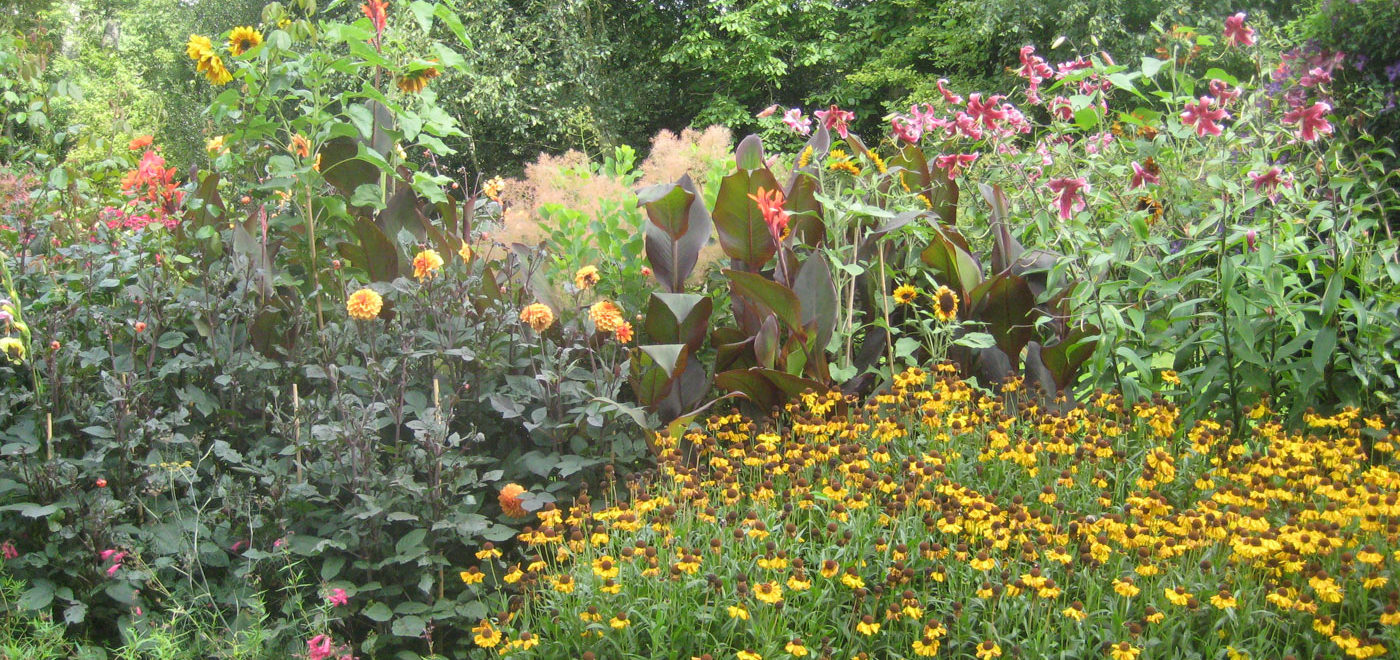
(768, 296)
(411, 544)
(743, 234)
(749, 154)
(816, 290)
(1151, 65)
(423, 13)
(378, 612)
(681, 318)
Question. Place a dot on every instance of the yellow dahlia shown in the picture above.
(364, 304)
(426, 264)
(538, 316)
(586, 277)
(606, 316)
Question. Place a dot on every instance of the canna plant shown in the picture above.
(808, 275)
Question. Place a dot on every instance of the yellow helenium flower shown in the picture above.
(769, 592)
(243, 39)
(586, 277)
(945, 306)
(426, 264)
(364, 304)
(538, 316)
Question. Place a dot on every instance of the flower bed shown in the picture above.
(941, 519)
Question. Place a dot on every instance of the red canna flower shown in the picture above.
(770, 204)
(378, 13)
(1204, 115)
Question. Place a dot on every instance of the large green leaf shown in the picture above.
(1064, 358)
(749, 154)
(341, 167)
(1005, 303)
(816, 291)
(752, 385)
(381, 255)
(768, 297)
(678, 228)
(742, 232)
(653, 369)
(952, 263)
(679, 318)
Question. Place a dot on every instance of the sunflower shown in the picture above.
(243, 39)
(945, 304)
(364, 305)
(905, 294)
(199, 47)
(214, 70)
(413, 82)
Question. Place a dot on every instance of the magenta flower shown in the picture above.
(1142, 177)
(1061, 108)
(954, 163)
(1068, 195)
(337, 598)
(988, 113)
(906, 130)
(1249, 238)
(319, 647)
(8, 550)
(1268, 182)
(1223, 91)
(1237, 33)
(112, 570)
(1204, 115)
(836, 119)
(948, 97)
(1313, 120)
(798, 123)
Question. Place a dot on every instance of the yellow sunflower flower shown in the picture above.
(243, 39)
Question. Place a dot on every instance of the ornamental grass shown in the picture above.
(943, 520)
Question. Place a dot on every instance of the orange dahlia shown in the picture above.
(511, 502)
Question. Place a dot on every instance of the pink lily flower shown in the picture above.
(798, 123)
(836, 119)
(1204, 115)
(1068, 195)
(948, 97)
(1237, 33)
(954, 163)
(1269, 182)
(1313, 120)
(1142, 177)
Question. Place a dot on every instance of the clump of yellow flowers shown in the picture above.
(941, 519)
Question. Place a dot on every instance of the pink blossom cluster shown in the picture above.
(112, 556)
(116, 218)
(1303, 79)
(322, 647)
(8, 550)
